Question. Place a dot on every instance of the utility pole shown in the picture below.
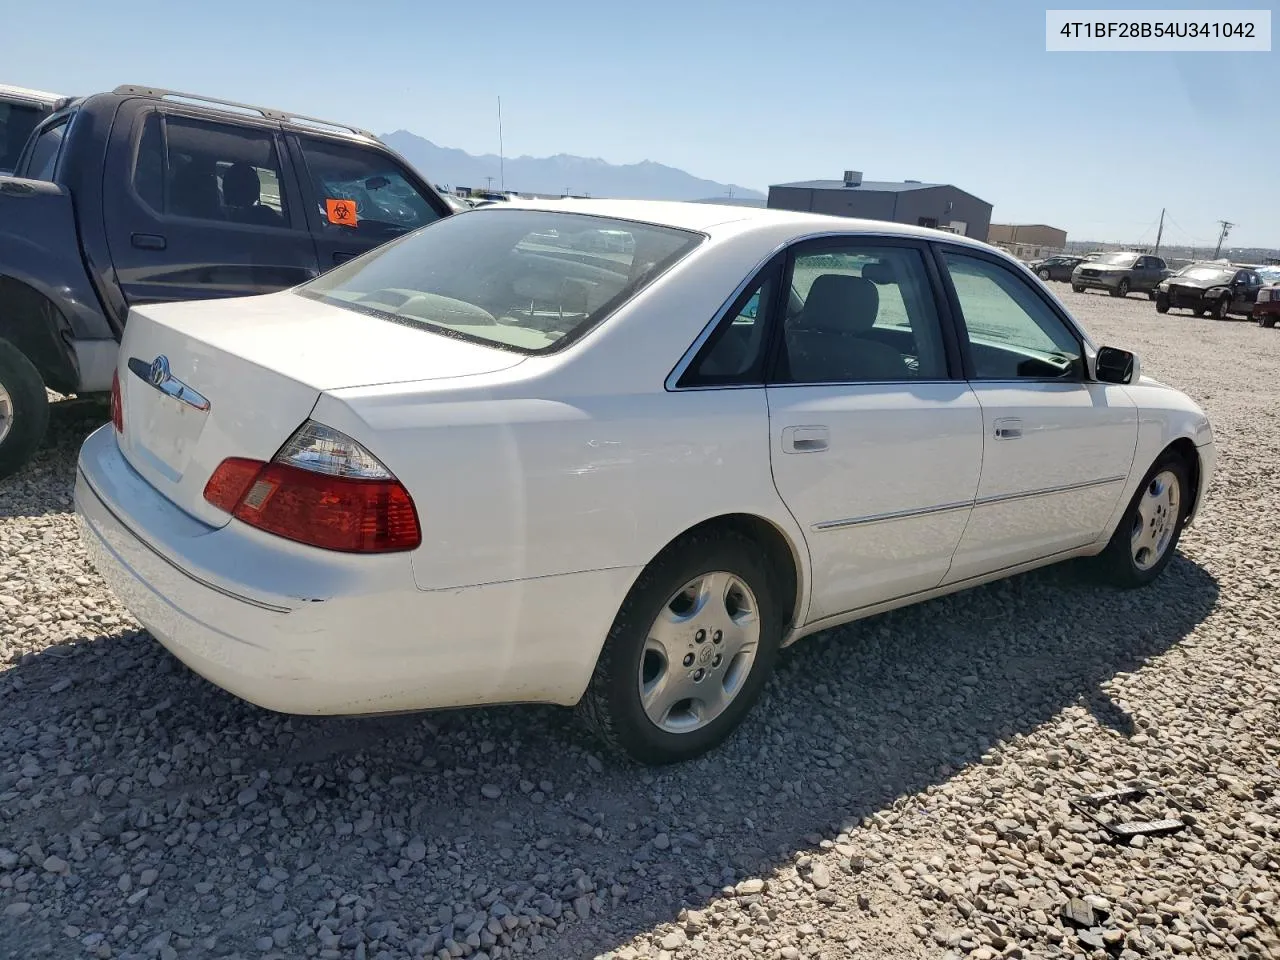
(1160, 232)
(488, 184)
(502, 176)
(1226, 228)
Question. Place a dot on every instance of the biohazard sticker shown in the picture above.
(341, 212)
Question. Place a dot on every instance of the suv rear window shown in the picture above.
(524, 280)
(17, 120)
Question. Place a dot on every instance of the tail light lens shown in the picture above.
(117, 408)
(323, 489)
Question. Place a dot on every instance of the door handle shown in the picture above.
(1008, 428)
(149, 241)
(811, 439)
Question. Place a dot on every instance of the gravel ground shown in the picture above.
(902, 791)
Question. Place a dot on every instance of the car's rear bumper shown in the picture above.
(301, 630)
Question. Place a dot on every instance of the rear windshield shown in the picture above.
(520, 279)
(16, 123)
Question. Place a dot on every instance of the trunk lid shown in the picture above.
(238, 377)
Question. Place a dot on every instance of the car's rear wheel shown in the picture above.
(24, 409)
(689, 651)
(1121, 290)
(1043, 274)
(1162, 304)
(1148, 533)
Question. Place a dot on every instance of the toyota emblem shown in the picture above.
(159, 371)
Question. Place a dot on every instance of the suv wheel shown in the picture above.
(1043, 273)
(1122, 289)
(24, 409)
(1265, 320)
(1077, 288)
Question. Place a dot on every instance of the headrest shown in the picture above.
(240, 186)
(879, 272)
(839, 303)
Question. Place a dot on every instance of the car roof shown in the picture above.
(723, 219)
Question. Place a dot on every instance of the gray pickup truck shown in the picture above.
(143, 195)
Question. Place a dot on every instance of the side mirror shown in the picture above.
(1117, 366)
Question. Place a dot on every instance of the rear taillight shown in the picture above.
(323, 489)
(117, 408)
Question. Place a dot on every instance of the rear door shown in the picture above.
(200, 208)
(358, 197)
(876, 440)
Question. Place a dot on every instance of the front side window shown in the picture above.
(525, 280)
(210, 171)
(861, 313)
(44, 154)
(363, 192)
(1012, 332)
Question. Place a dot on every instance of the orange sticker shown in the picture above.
(341, 212)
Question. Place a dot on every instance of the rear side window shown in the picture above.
(363, 192)
(44, 154)
(525, 280)
(210, 171)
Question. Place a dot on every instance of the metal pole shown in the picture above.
(502, 176)
(1160, 232)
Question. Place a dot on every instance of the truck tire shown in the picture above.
(24, 409)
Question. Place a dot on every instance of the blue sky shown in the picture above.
(744, 91)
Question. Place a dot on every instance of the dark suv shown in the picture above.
(143, 195)
(1120, 273)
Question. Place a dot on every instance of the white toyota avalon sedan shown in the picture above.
(615, 455)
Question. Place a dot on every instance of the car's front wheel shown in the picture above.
(1148, 533)
(1220, 308)
(689, 651)
(1266, 320)
(1043, 274)
(1077, 288)
(1162, 303)
(1121, 290)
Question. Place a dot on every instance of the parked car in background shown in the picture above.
(456, 204)
(1215, 289)
(1120, 273)
(20, 111)
(1266, 309)
(140, 196)
(471, 467)
(1057, 267)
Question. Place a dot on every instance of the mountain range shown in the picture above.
(563, 173)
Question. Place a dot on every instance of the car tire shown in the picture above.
(1121, 290)
(24, 409)
(1162, 304)
(1043, 275)
(1122, 563)
(634, 654)
(1077, 288)
(1266, 321)
(1219, 310)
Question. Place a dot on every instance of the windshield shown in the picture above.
(525, 280)
(1208, 274)
(16, 123)
(1117, 259)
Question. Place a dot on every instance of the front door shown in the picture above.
(1058, 446)
(359, 197)
(876, 446)
(202, 209)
